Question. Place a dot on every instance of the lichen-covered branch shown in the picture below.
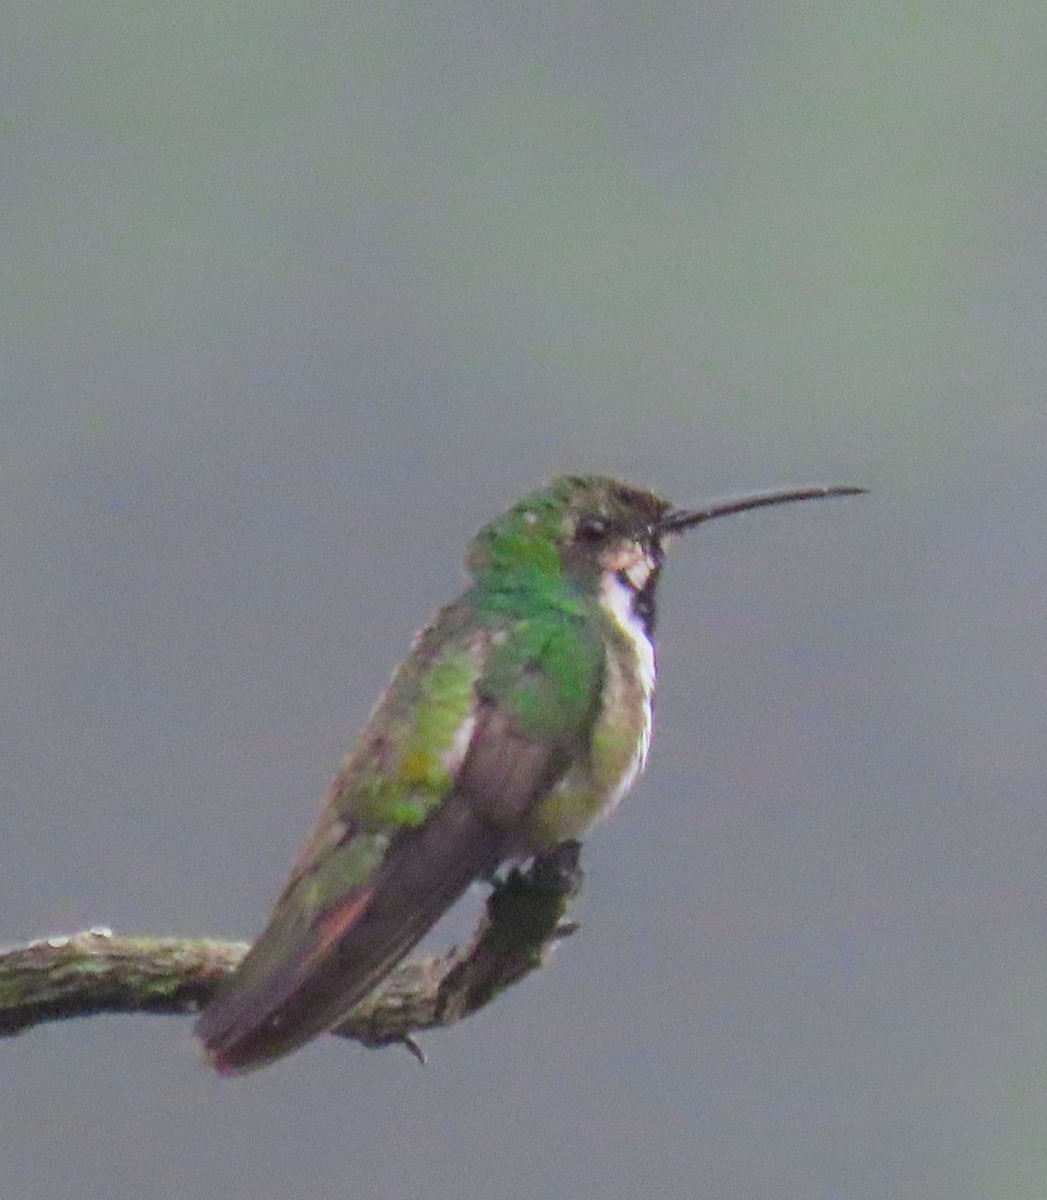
(97, 972)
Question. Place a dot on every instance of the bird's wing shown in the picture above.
(385, 862)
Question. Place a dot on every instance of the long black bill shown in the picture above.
(687, 518)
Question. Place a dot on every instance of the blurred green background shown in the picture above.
(297, 296)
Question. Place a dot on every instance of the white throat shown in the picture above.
(617, 600)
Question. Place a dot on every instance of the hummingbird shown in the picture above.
(522, 715)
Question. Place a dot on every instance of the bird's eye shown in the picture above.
(592, 529)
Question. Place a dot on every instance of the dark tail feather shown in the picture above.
(299, 979)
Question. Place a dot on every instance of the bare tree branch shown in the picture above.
(96, 972)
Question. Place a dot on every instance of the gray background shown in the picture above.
(294, 298)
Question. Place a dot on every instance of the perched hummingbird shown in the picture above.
(522, 714)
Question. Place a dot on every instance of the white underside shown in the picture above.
(616, 599)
